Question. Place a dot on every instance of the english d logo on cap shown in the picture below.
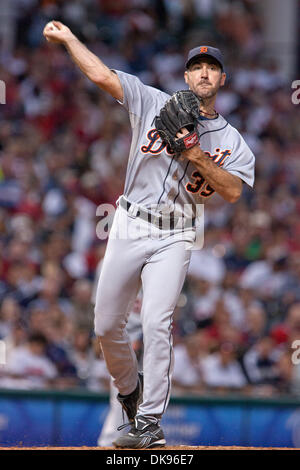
(205, 51)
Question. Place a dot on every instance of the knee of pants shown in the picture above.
(157, 331)
(108, 326)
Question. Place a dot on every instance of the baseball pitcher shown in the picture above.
(182, 152)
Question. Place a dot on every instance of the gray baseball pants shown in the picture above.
(158, 262)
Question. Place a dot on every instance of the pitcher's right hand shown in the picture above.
(61, 34)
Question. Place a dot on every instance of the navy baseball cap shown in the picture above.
(201, 51)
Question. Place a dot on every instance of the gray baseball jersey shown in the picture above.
(155, 178)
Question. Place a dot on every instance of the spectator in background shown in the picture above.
(28, 366)
(255, 325)
(81, 353)
(291, 325)
(222, 327)
(221, 370)
(261, 365)
(83, 313)
(10, 314)
(59, 331)
(16, 337)
(187, 375)
(203, 297)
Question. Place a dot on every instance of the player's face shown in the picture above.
(205, 77)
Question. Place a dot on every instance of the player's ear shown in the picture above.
(223, 79)
(186, 76)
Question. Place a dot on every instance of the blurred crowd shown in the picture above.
(63, 151)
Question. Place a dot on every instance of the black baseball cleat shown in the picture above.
(143, 434)
(131, 402)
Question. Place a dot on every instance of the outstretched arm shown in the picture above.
(88, 62)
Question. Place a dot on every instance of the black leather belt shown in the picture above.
(166, 222)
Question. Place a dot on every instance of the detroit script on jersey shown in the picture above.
(155, 176)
